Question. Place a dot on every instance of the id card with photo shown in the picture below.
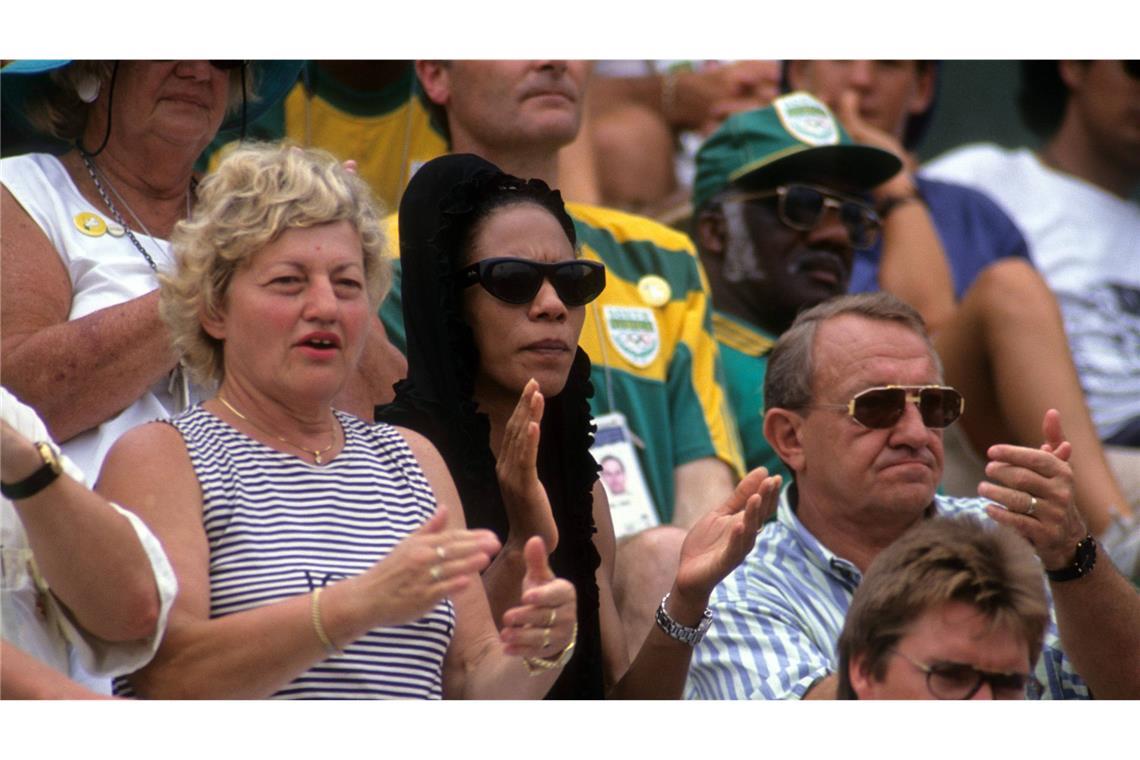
(631, 506)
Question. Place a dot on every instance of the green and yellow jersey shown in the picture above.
(744, 350)
(388, 132)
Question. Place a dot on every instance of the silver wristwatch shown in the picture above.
(683, 633)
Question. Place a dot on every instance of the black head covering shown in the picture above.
(440, 207)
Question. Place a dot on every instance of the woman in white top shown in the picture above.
(84, 234)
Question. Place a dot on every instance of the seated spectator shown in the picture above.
(338, 547)
(647, 119)
(1075, 201)
(856, 405)
(768, 182)
(497, 382)
(952, 610)
(85, 234)
(890, 104)
(81, 579)
(654, 363)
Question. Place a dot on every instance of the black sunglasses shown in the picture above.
(227, 65)
(801, 207)
(957, 680)
(882, 407)
(518, 281)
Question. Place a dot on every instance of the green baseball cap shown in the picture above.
(796, 139)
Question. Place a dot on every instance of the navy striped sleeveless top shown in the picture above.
(278, 526)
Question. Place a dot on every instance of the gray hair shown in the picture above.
(790, 377)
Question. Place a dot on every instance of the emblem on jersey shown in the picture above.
(654, 290)
(90, 224)
(633, 331)
(807, 119)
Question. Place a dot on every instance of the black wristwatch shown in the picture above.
(43, 476)
(1082, 563)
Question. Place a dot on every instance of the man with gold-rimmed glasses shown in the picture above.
(856, 406)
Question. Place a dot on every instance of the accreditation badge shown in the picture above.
(631, 506)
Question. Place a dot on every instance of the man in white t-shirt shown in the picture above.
(1074, 200)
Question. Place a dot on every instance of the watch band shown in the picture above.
(41, 478)
(682, 633)
(1083, 562)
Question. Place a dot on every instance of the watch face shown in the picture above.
(1086, 554)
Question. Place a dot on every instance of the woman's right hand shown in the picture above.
(525, 499)
(427, 566)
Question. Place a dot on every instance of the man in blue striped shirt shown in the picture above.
(856, 408)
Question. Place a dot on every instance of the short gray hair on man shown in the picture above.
(790, 377)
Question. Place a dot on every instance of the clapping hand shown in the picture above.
(544, 623)
(1033, 493)
(524, 496)
(427, 566)
(720, 540)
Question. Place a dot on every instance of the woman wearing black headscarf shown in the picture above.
(497, 383)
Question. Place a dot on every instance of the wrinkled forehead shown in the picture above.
(852, 352)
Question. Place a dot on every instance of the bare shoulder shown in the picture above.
(147, 459)
(422, 447)
(437, 474)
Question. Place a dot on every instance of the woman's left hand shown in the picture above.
(720, 540)
(543, 624)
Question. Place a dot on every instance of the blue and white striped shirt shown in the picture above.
(777, 618)
(279, 527)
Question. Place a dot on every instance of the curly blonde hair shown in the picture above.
(259, 191)
(59, 112)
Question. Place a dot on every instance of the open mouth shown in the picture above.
(323, 342)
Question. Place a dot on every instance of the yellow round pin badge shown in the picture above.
(653, 290)
(90, 224)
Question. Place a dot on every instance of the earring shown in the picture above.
(87, 89)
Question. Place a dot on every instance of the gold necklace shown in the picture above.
(315, 452)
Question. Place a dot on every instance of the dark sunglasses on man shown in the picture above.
(518, 281)
(801, 207)
(957, 680)
(882, 407)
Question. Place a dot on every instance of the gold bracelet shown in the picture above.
(315, 609)
(536, 666)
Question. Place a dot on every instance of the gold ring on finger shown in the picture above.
(1032, 506)
(441, 552)
(545, 638)
(553, 617)
(436, 572)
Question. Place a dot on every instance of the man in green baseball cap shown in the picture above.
(779, 209)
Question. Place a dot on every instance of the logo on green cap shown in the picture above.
(806, 119)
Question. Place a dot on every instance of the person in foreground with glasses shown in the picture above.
(494, 301)
(783, 207)
(856, 407)
(1011, 295)
(955, 609)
